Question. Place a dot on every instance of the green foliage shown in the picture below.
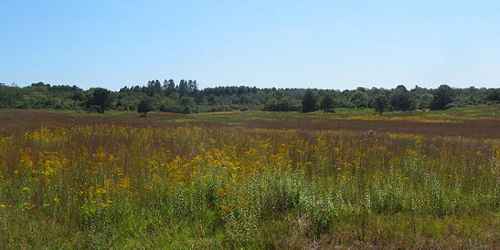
(442, 98)
(494, 95)
(10, 97)
(309, 102)
(359, 98)
(282, 104)
(380, 104)
(145, 106)
(171, 97)
(187, 105)
(401, 99)
(326, 104)
(99, 100)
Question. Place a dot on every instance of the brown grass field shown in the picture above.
(20, 120)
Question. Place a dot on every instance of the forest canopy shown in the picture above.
(184, 96)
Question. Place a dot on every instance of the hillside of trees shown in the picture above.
(185, 97)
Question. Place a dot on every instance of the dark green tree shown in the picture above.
(401, 99)
(309, 102)
(493, 95)
(187, 105)
(281, 104)
(99, 100)
(145, 106)
(326, 104)
(170, 87)
(359, 98)
(380, 104)
(442, 98)
(183, 87)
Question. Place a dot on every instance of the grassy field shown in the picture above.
(250, 180)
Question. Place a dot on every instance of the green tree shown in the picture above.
(401, 99)
(326, 104)
(169, 86)
(183, 87)
(309, 102)
(359, 98)
(380, 103)
(282, 104)
(187, 105)
(424, 100)
(493, 95)
(145, 106)
(442, 98)
(99, 100)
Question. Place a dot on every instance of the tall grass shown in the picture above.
(107, 186)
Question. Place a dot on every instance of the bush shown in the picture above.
(401, 99)
(442, 98)
(145, 106)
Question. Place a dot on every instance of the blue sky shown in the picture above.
(321, 44)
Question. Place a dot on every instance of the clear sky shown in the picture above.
(321, 44)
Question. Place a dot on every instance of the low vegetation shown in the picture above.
(113, 181)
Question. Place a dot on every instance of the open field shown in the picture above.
(479, 121)
(253, 180)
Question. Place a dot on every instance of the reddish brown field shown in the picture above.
(22, 120)
(469, 128)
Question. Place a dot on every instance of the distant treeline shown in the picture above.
(185, 97)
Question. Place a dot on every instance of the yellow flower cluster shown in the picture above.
(98, 164)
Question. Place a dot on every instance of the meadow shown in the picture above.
(250, 180)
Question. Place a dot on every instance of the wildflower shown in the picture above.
(220, 192)
(48, 171)
(25, 160)
(124, 183)
(27, 206)
(101, 155)
(106, 203)
(100, 191)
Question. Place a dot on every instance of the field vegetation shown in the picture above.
(245, 180)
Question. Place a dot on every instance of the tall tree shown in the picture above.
(309, 102)
(100, 100)
(187, 104)
(401, 99)
(326, 104)
(170, 87)
(359, 98)
(183, 87)
(442, 98)
(493, 95)
(380, 104)
(145, 106)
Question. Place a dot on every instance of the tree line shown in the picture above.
(184, 96)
